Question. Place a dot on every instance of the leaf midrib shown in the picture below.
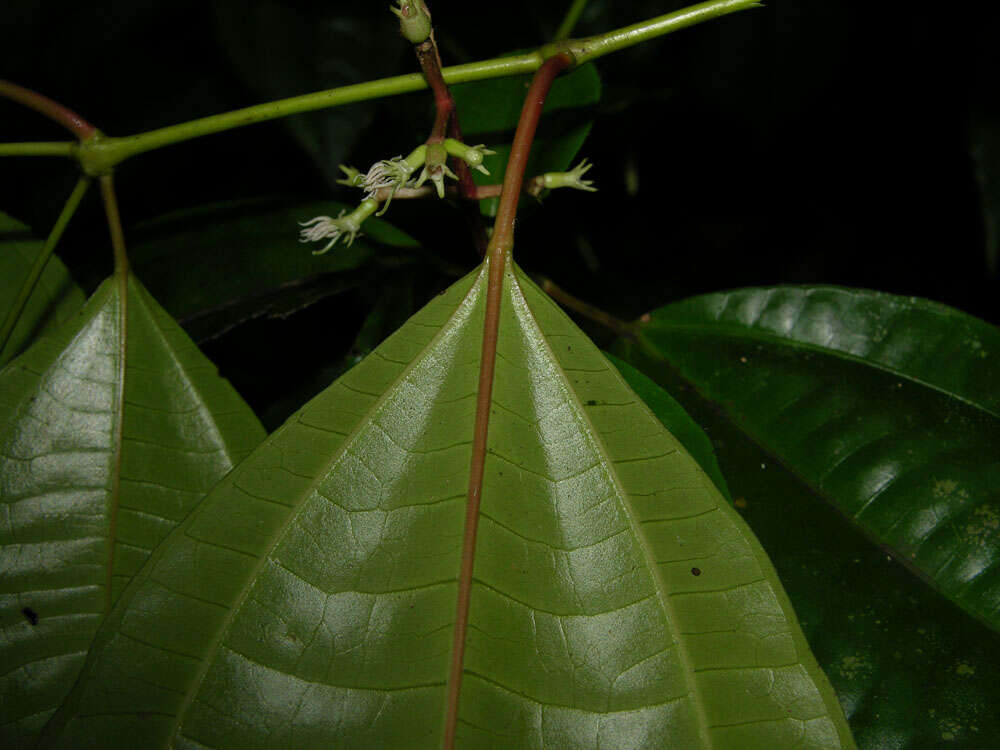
(121, 367)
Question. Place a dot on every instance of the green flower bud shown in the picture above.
(414, 20)
(471, 155)
(571, 179)
(352, 176)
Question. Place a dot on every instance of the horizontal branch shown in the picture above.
(584, 50)
(100, 153)
(42, 148)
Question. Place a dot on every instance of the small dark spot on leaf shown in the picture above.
(569, 348)
(30, 615)
(696, 571)
(592, 403)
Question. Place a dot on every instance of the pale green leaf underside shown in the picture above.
(309, 601)
(55, 297)
(182, 428)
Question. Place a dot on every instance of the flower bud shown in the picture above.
(414, 20)
(471, 155)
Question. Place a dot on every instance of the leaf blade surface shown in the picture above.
(55, 297)
(886, 405)
(616, 597)
(85, 501)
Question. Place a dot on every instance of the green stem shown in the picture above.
(593, 47)
(572, 16)
(43, 258)
(100, 153)
(114, 225)
(51, 148)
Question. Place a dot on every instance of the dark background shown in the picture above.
(810, 141)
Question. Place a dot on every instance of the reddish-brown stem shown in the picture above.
(446, 126)
(49, 108)
(465, 183)
(497, 257)
(479, 192)
(444, 104)
(468, 190)
(532, 187)
(503, 229)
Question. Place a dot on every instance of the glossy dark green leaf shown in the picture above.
(910, 668)
(618, 600)
(489, 110)
(55, 298)
(100, 458)
(888, 406)
(216, 266)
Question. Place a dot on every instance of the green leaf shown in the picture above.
(489, 111)
(910, 668)
(677, 421)
(100, 459)
(248, 262)
(55, 298)
(886, 405)
(310, 599)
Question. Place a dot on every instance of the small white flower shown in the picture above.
(325, 227)
(388, 173)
